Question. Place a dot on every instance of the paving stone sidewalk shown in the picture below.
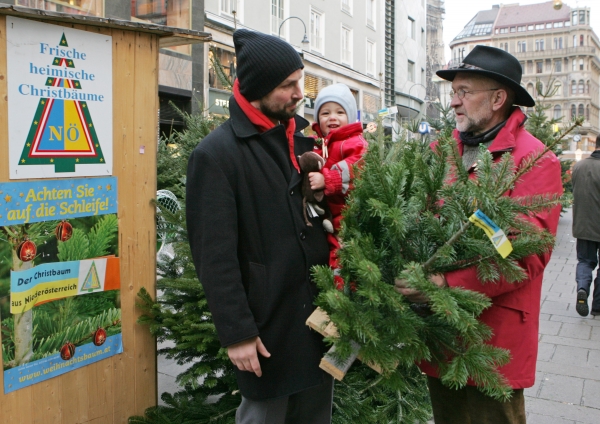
(567, 388)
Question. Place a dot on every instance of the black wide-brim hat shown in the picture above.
(496, 64)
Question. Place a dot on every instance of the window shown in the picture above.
(227, 60)
(276, 15)
(539, 87)
(411, 28)
(371, 13)
(539, 26)
(411, 71)
(557, 90)
(317, 21)
(521, 46)
(539, 67)
(530, 67)
(529, 27)
(558, 43)
(581, 40)
(371, 58)
(574, 20)
(228, 6)
(582, 17)
(573, 87)
(573, 111)
(82, 7)
(558, 24)
(580, 110)
(347, 6)
(312, 85)
(539, 45)
(513, 29)
(574, 65)
(521, 28)
(581, 87)
(548, 26)
(557, 112)
(530, 90)
(558, 65)
(346, 46)
(581, 64)
(371, 105)
(176, 14)
(503, 30)
(574, 41)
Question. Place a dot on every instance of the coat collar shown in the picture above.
(505, 140)
(243, 128)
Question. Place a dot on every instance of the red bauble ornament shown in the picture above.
(63, 231)
(26, 251)
(99, 336)
(67, 351)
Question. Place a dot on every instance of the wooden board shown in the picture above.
(111, 390)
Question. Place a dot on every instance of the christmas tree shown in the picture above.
(408, 217)
(545, 129)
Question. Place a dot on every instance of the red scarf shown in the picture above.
(262, 123)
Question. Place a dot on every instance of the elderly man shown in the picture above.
(251, 246)
(485, 88)
(586, 229)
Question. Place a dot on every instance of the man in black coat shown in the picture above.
(251, 246)
(586, 229)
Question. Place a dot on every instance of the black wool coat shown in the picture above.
(253, 251)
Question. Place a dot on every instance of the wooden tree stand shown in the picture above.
(320, 322)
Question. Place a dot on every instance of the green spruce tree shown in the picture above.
(408, 218)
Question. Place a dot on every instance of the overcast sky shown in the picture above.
(460, 12)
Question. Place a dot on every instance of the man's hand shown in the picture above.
(401, 286)
(244, 355)
(317, 180)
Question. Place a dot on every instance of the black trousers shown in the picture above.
(587, 261)
(310, 406)
(469, 406)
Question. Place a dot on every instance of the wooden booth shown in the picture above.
(78, 140)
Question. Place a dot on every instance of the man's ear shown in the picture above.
(499, 99)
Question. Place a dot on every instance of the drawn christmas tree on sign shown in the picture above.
(62, 132)
(91, 282)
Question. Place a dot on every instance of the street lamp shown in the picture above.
(305, 39)
(411, 98)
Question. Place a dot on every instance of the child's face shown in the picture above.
(331, 116)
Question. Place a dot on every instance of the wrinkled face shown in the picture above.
(474, 111)
(331, 116)
(281, 103)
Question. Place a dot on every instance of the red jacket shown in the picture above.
(515, 310)
(345, 147)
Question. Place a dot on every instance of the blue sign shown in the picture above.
(424, 128)
(47, 200)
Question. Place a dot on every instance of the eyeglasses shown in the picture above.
(461, 93)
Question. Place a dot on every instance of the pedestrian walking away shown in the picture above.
(586, 229)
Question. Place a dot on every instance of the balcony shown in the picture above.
(550, 53)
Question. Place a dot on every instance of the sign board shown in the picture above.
(424, 128)
(59, 101)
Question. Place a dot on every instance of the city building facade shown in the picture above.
(435, 55)
(340, 42)
(559, 54)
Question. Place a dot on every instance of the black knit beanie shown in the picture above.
(263, 62)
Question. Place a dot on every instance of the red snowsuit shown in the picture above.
(515, 312)
(341, 149)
